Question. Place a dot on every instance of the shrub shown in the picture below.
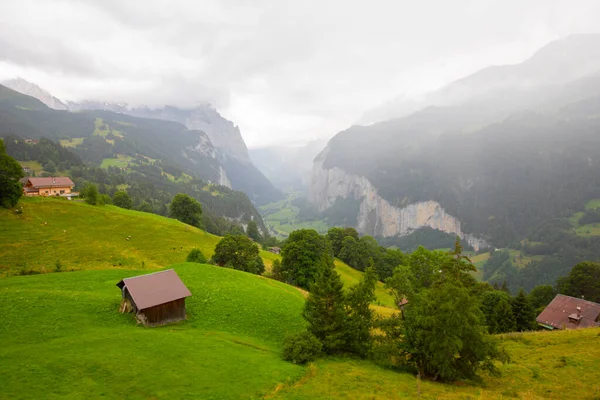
(58, 266)
(105, 199)
(196, 256)
(302, 347)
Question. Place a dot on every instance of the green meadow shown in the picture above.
(81, 236)
(544, 365)
(62, 336)
(282, 218)
(122, 161)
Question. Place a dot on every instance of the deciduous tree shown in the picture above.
(238, 252)
(186, 209)
(303, 256)
(10, 173)
(583, 280)
(123, 200)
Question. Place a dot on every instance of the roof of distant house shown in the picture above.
(563, 309)
(51, 181)
(154, 289)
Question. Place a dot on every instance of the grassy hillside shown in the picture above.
(89, 237)
(545, 365)
(81, 236)
(62, 335)
(351, 277)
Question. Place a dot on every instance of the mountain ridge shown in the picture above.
(225, 143)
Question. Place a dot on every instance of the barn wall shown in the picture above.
(164, 313)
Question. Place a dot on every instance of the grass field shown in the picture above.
(81, 236)
(71, 143)
(93, 237)
(351, 277)
(545, 365)
(34, 165)
(62, 336)
(589, 229)
(122, 161)
(282, 218)
(593, 204)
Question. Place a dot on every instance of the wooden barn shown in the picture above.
(154, 299)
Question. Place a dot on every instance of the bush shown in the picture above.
(301, 348)
(196, 256)
(105, 199)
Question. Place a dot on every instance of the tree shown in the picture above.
(497, 309)
(186, 209)
(504, 318)
(360, 315)
(354, 253)
(105, 199)
(335, 236)
(540, 296)
(445, 336)
(582, 281)
(524, 314)
(303, 256)
(196, 256)
(252, 231)
(301, 348)
(238, 252)
(349, 231)
(324, 309)
(10, 173)
(91, 195)
(145, 207)
(123, 200)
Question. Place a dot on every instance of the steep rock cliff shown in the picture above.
(377, 217)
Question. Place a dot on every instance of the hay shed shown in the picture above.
(155, 299)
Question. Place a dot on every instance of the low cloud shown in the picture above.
(285, 71)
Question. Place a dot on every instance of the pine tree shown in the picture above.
(524, 313)
(504, 319)
(252, 231)
(324, 309)
(360, 315)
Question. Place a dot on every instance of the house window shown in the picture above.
(62, 192)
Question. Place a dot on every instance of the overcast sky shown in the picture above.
(284, 71)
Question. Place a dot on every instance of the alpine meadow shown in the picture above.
(300, 200)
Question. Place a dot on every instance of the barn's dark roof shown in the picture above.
(154, 289)
(562, 307)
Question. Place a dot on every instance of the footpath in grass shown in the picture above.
(545, 365)
(62, 336)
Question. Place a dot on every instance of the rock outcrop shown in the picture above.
(33, 90)
(377, 217)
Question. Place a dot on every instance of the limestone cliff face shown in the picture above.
(377, 217)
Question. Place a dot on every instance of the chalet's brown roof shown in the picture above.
(154, 289)
(562, 307)
(51, 181)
